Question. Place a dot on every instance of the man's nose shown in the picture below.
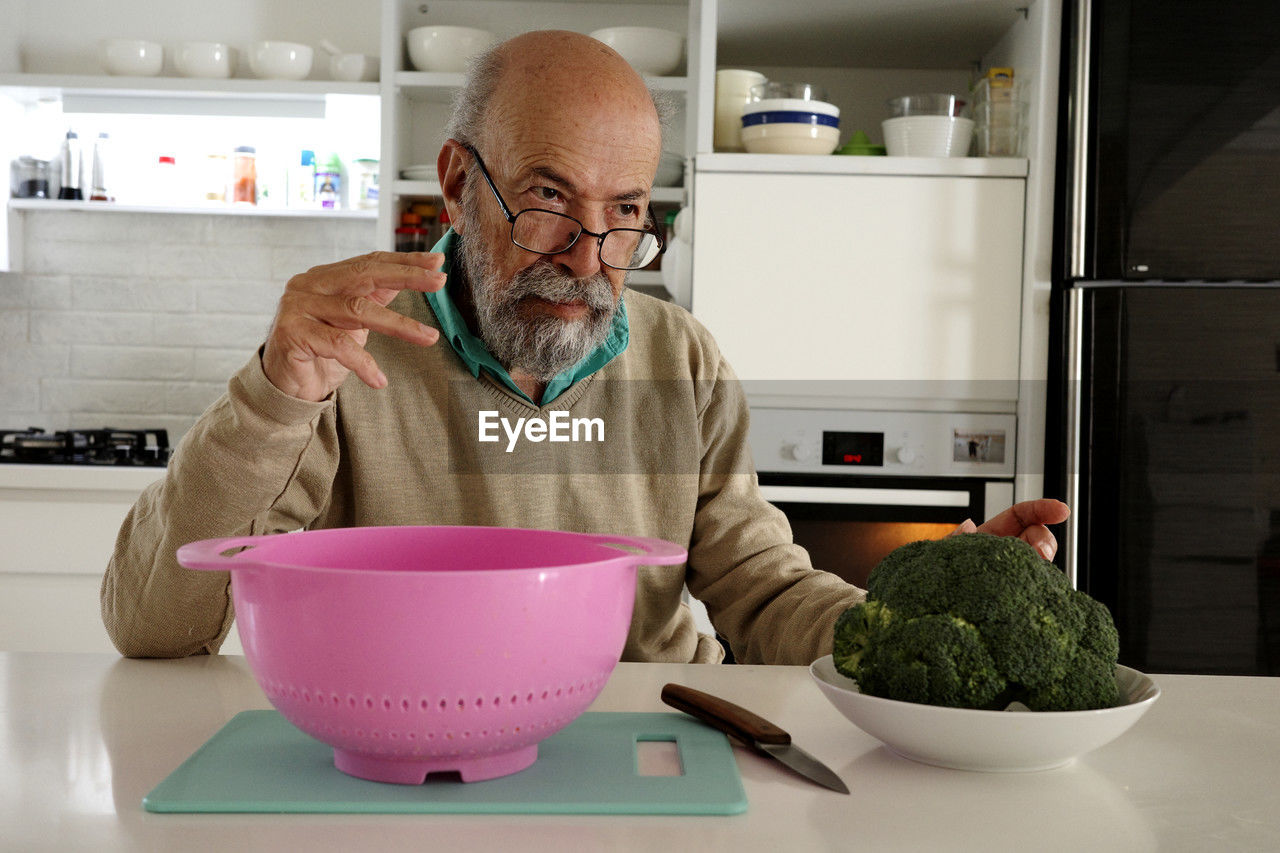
(582, 259)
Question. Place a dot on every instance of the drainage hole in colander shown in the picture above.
(386, 704)
(368, 702)
(351, 700)
(529, 698)
(444, 704)
(404, 705)
(425, 705)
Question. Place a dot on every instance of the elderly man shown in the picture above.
(352, 414)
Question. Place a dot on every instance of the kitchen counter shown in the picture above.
(83, 737)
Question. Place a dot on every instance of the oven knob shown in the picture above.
(797, 452)
(905, 455)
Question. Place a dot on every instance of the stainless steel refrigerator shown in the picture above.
(1165, 387)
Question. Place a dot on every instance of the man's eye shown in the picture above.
(546, 193)
(629, 211)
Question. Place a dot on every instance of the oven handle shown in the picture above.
(865, 496)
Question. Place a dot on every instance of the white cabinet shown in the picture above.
(906, 281)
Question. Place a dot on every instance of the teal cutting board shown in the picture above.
(259, 762)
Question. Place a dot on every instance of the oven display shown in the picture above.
(859, 449)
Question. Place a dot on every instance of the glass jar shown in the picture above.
(29, 178)
(245, 178)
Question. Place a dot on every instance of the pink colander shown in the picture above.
(414, 650)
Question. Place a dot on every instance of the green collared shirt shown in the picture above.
(475, 355)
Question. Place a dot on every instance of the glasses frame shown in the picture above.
(600, 237)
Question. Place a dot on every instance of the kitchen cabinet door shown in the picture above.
(907, 281)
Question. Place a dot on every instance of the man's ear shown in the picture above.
(451, 166)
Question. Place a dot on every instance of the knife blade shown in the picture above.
(755, 731)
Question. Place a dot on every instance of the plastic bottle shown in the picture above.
(367, 192)
(246, 175)
(302, 181)
(98, 181)
(215, 178)
(329, 183)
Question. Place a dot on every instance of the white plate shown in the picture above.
(418, 173)
(968, 739)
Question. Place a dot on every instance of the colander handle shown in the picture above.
(653, 552)
(207, 554)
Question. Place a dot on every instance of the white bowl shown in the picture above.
(280, 60)
(132, 57)
(967, 739)
(790, 139)
(649, 50)
(927, 136)
(449, 49)
(670, 170)
(802, 105)
(205, 59)
(353, 67)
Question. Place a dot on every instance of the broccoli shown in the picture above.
(978, 621)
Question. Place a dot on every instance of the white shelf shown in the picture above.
(401, 187)
(438, 87)
(29, 88)
(983, 167)
(44, 205)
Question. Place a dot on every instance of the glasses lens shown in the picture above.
(544, 232)
(629, 248)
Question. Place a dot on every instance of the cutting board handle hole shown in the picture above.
(658, 756)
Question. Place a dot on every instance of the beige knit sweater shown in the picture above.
(667, 457)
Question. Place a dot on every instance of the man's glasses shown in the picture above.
(546, 232)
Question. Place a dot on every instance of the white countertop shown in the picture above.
(84, 737)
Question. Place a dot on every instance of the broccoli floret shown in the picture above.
(976, 621)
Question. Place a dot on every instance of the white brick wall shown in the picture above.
(136, 320)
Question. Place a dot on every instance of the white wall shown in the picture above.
(138, 319)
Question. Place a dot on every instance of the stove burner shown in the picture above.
(105, 446)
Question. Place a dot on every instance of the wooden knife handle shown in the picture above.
(729, 718)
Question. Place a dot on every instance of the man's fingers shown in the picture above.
(353, 313)
(386, 273)
(1042, 539)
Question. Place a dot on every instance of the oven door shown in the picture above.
(849, 523)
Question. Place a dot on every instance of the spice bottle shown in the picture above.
(246, 175)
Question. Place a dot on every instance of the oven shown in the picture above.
(857, 484)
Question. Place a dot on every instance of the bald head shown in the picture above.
(551, 82)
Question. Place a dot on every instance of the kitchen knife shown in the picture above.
(756, 732)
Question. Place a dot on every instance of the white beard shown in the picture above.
(543, 346)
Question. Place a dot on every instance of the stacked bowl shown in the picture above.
(789, 118)
(930, 125)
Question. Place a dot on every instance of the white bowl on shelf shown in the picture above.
(670, 170)
(446, 49)
(132, 57)
(204, 59)
(790, 138)
(280, 60)
(928, 136)
(782, 105)
(353, 67)
(649, 50)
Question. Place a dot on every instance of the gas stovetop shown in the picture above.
(105, 446)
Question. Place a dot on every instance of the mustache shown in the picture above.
(546, 282)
